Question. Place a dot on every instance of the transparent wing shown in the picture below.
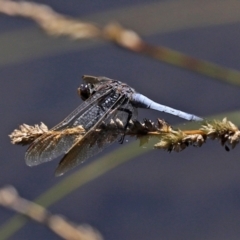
(50, 145)
(74, 118)
(89, 146)
(94, 142)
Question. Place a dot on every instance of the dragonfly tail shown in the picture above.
(141, 101)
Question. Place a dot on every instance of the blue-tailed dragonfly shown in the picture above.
(105, 100)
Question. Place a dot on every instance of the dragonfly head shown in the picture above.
(91, 84)
(85, 91)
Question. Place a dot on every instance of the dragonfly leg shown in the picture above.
(121, 140)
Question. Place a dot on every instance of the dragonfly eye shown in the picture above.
(85, 91)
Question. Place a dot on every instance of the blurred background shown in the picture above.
(189, 195)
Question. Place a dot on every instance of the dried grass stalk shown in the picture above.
(27, 134)
(49, 20)
(57, 24)
(61, 226)
(169, 139)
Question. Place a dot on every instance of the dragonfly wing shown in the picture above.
(92, 142)
(73, 117)
(51, 145)
(59, 140)
(89, 146)
(54, 143)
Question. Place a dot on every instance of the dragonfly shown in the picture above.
(104, 100)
